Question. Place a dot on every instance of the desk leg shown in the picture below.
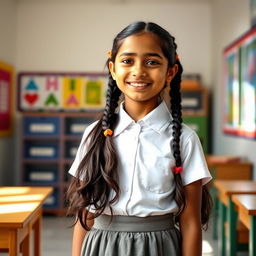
(215, 214)
(25, 246)
(252, 245)
(213, 191)
(222, 219)
(13, 243)
(232, 221)
(37, 229)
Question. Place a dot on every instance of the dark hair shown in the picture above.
(91, 188)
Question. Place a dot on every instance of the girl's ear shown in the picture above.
(171, 73)
(111, 67)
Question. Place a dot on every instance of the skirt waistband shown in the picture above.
(133, 223)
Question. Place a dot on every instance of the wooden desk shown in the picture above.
(246, 205)
(226, 167)
(229, 167)
(225, 190)
(20, 214)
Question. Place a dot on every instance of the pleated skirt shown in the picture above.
(133, 236)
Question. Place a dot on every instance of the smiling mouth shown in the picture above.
(138, 84)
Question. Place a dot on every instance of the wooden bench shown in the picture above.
(20, 215)
(225, 190)
(246, 207)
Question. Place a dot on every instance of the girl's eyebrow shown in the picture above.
(146, 54)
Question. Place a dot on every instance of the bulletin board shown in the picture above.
(240, 86)
(48, 91)
(6, 101)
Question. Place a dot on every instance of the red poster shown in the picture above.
(5, 99)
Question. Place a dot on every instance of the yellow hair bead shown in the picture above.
(109, 54)
(108, 132)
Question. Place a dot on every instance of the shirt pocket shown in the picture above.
(155, 174)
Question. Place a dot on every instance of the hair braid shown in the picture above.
(101, 163)
(108, 151)
(112, 97)
(175, 99)
(179, 196)
(109, 161)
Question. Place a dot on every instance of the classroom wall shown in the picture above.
(76, 35)
(7, 54)
(231, 18)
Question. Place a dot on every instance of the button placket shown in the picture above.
(136, 131)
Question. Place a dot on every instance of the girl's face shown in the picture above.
(141, 69)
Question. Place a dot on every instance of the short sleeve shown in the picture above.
(82, 149)
(194, 163)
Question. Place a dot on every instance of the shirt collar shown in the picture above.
(158, 119)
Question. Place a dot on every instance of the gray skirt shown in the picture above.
(133, 236)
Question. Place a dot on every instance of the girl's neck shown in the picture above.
(137, 110)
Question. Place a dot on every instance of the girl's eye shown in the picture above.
(152, 62)
(127, 61)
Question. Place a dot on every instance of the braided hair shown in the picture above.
(92, 187)
(175, 99)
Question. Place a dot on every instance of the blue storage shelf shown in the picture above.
(53, 201)
(77, 125)
(43, 174)
(41, 126)
(49, 145)
(71, 149)
(41, 149)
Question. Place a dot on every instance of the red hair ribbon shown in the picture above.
(177, 169)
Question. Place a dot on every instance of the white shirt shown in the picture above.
(145, 162)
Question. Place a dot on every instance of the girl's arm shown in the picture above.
(78, 236)
(190, 220)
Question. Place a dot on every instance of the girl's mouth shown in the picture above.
(139, 85)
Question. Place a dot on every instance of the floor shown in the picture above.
(57, 238)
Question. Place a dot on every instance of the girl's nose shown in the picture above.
(138, 71)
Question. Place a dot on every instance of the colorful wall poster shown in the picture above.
(248, 87)
(240, 86)
(61, 91)
(232, 106)
(6, 84)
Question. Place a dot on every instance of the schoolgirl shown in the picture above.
(140, 173)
